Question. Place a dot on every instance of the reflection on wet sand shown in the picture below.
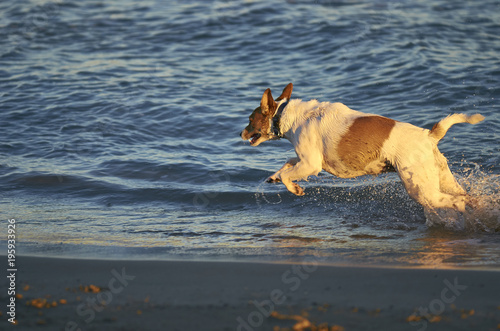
(443, 251)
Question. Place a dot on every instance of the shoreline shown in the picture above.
(268, 260)
(90, 294)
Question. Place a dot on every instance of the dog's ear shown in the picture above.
(267, 103)
(287, 92)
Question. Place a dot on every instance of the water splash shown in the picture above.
(261, 197)
(483, 215)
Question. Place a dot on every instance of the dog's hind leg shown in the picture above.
(276, 176)
(447, 182)
(424, 187)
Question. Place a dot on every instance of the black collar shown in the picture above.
(277, 118)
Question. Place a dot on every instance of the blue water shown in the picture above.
(120, 125)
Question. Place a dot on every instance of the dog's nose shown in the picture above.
(241, 134)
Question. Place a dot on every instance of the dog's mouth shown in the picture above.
(254, 138)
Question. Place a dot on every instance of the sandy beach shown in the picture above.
(72, 294)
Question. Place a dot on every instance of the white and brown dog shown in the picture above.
(348, 143)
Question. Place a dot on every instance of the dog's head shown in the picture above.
(259, 129)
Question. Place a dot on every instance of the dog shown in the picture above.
(348, 143)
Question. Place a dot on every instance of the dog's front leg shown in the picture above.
(301, 170)
(276, 176)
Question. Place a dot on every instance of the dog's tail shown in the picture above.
(439, 129)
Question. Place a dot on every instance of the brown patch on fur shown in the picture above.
(261, 117)
(287, 92)
(364, 140)
(258, 123)
(267, 103)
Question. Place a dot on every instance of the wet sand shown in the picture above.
(72, 294)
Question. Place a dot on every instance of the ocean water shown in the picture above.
(120, 127)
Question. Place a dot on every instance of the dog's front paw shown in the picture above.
(297, 190)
